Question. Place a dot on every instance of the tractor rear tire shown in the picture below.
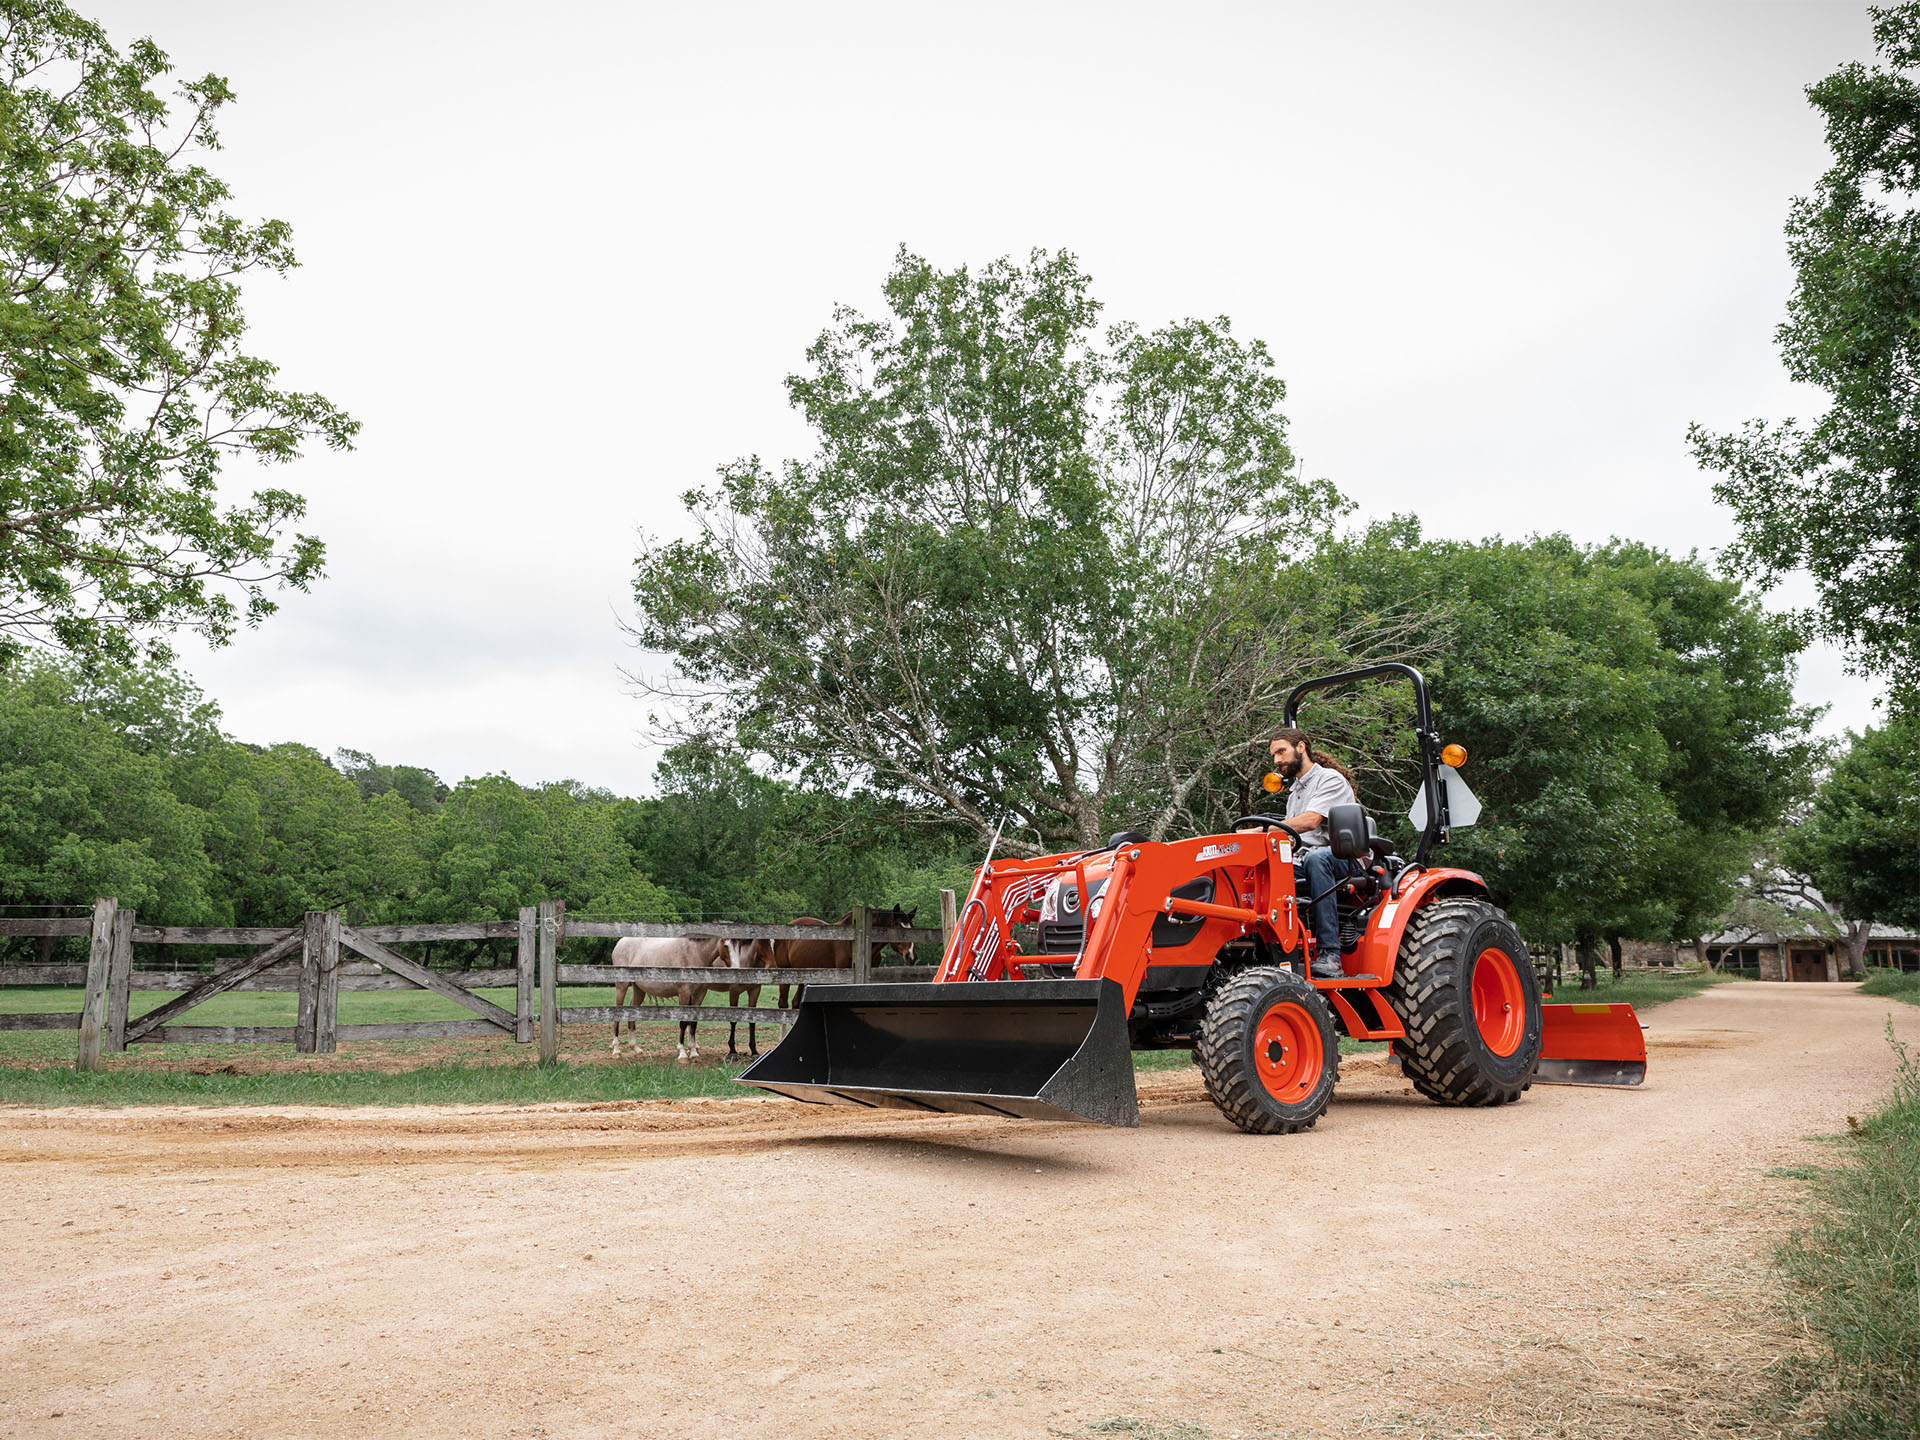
(1465, 988)
(1268, 1052)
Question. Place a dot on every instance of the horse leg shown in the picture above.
(690, 1029)
(753, 1003)
(619, 999)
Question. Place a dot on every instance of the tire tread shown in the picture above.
(1233, 1085)
(1435, 1054)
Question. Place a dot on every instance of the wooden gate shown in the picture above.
(318, 945)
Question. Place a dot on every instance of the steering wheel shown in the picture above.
(1265, 822)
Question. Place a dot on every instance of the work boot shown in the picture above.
(1328, 970)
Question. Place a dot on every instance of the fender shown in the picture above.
(1379, 947)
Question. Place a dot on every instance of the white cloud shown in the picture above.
(559, 261)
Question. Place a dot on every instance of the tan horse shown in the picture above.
(746, 955)
(680, 952)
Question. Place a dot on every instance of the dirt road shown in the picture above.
(1587, 1263)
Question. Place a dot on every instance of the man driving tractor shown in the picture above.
(1314, 787)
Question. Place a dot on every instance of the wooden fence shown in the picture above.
(308, 958)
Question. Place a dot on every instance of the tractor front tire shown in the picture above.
(1465, 988)
(1268, 1053)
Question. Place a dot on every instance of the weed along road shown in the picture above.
(1588, 1262)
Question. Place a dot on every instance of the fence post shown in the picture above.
(93, 1015)
(303, 1024)
(862, 945)
(119, 981)
(949, 921)
(523, 960)
(326, 1006)
(549, 981)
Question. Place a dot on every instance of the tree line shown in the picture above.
(120, 781)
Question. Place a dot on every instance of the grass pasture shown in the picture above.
(36, 1066)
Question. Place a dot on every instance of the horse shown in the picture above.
(746, 955)
(895, 919)
(680, 952)
(811, 954)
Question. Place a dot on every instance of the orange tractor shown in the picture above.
(1204, 944)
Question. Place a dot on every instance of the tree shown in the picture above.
(289, 833)
(126, 384)
(495, 846)
(85, 812)
(1628, 717)
(729, 843)
(1841, 499)
(1033, 572)
(1860, 843)
(422, 789)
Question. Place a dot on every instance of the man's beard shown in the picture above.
(1294, 766)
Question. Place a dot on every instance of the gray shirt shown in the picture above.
(1319, 790)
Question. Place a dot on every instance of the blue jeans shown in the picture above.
(1324, 870)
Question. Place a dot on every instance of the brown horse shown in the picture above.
(823, 954)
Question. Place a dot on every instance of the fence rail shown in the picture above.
(309, 960)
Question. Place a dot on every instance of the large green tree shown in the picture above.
(127, 381)
(1860, 842)
(1840, 498)
(1034, 570)
(1628, 716)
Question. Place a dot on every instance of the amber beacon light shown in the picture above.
(1454, 755)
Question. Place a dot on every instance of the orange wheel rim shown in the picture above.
(1499, 1004)
(1287, 1052)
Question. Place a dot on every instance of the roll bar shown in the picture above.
(1439, 822)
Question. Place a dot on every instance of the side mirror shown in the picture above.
(1347, 833)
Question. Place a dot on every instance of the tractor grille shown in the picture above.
(1062, 937)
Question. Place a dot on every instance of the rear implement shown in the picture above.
(1591, 1045)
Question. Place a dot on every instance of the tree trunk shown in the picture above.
(1857, 933)
(1613, 952)
(1589, 962)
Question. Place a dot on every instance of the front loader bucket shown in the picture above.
(1591, 1045)
(1035, 1049)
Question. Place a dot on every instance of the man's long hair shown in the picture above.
(1300, 740)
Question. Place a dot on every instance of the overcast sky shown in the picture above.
(558, 259)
